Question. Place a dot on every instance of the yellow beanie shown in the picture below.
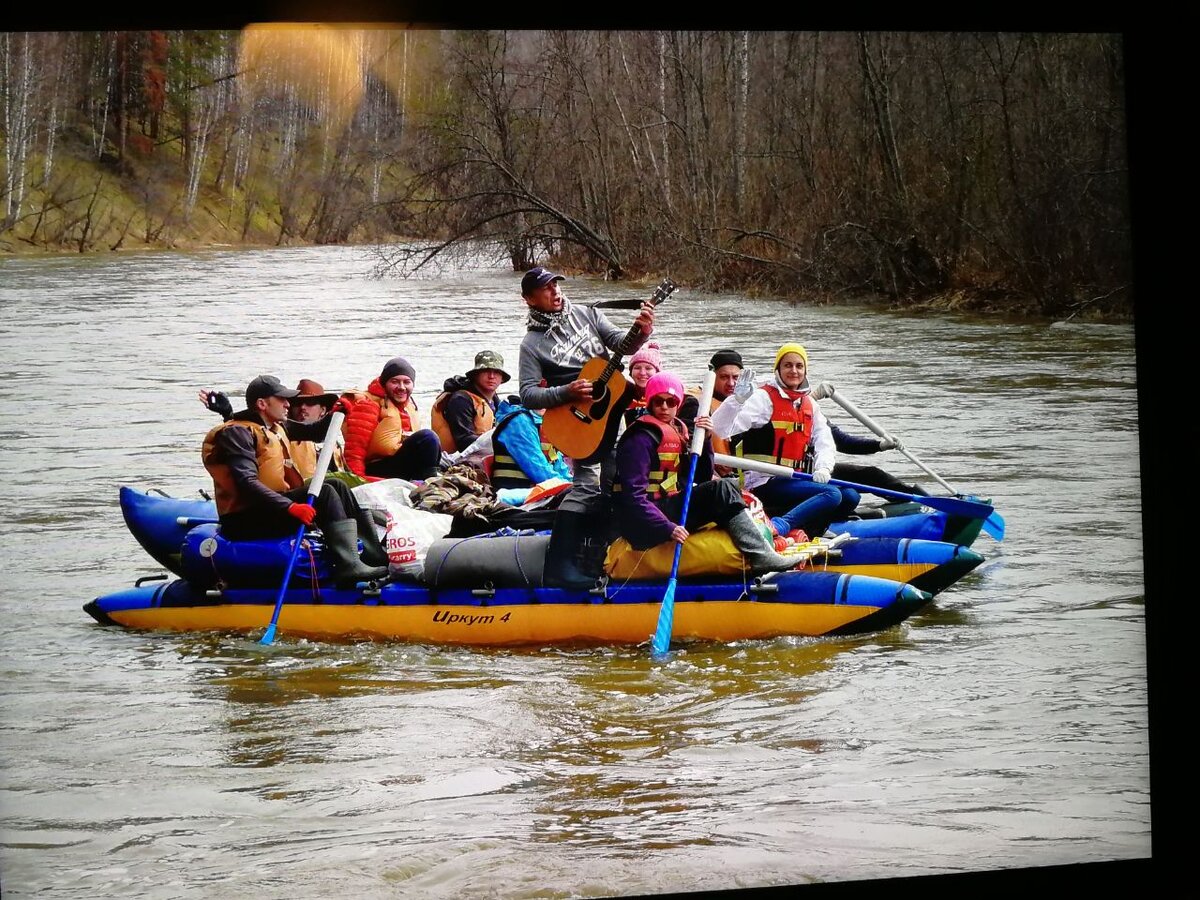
(791, 348)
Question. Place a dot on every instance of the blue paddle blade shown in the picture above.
(268, 635)
(662, 633)
(994, 525)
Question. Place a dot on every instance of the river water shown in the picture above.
(1006, 727)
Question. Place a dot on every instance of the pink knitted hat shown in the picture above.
(664, 383)
(647, 353)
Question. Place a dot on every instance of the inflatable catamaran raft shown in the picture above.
(487, 590)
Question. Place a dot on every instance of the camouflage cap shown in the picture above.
(489, 359)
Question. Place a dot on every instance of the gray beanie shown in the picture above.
(397, 365)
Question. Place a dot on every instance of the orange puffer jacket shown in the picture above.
(375, 427)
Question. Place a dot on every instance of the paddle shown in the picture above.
(993, 524)
(619, 303)
(666, 612)
(974, 509)
(314, 488)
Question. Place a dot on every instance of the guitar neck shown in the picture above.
(627, 343)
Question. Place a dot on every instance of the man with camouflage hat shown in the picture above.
(466, 407)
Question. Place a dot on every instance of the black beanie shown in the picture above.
(726, 358)
(397, 365)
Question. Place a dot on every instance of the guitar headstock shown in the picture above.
(663, 291)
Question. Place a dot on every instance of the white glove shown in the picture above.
(821, 391)
(889, 443)
(821, 476)
(745, 385)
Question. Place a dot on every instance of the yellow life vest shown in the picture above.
(272, 455)
(485, 416)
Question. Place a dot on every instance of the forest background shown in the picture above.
(951, 170)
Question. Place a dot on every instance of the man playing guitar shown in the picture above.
(560, 338)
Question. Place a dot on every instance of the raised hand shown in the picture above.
(745, 385)
(216, 401)
(645, 317)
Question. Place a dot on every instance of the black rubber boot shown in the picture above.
(562, 554)
(373, 553)
(760, 556)
(341, 540)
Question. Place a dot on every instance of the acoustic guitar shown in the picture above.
(585, 430)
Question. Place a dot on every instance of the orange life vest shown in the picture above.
(635, 410)
(719, 444)
(664, 468)
(305, 453)
(485, 416)
(304, 456)
(272, 455)
(375, 427)
(784, 438)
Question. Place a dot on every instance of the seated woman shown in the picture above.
(648, 496)
(644, 365)
(777, 423)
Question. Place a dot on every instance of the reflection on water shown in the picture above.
(1004, 725)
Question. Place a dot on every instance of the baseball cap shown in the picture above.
(267, 386)
(538, 276)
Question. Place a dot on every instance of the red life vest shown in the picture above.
(784, 438)
(668, 455)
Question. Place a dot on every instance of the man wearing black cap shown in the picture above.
(260, 494)
(727, 364)
(466, 408)
(560, 337)
(312, 402)
(384, 437)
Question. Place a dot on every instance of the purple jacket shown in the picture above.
(640, 520)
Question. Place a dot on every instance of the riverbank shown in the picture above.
(118, 223)
(976, 300)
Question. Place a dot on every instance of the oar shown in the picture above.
(825, 389)
(666, 612)
(619, 303)
(993, 524)
(314, 489)
(974, 509)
